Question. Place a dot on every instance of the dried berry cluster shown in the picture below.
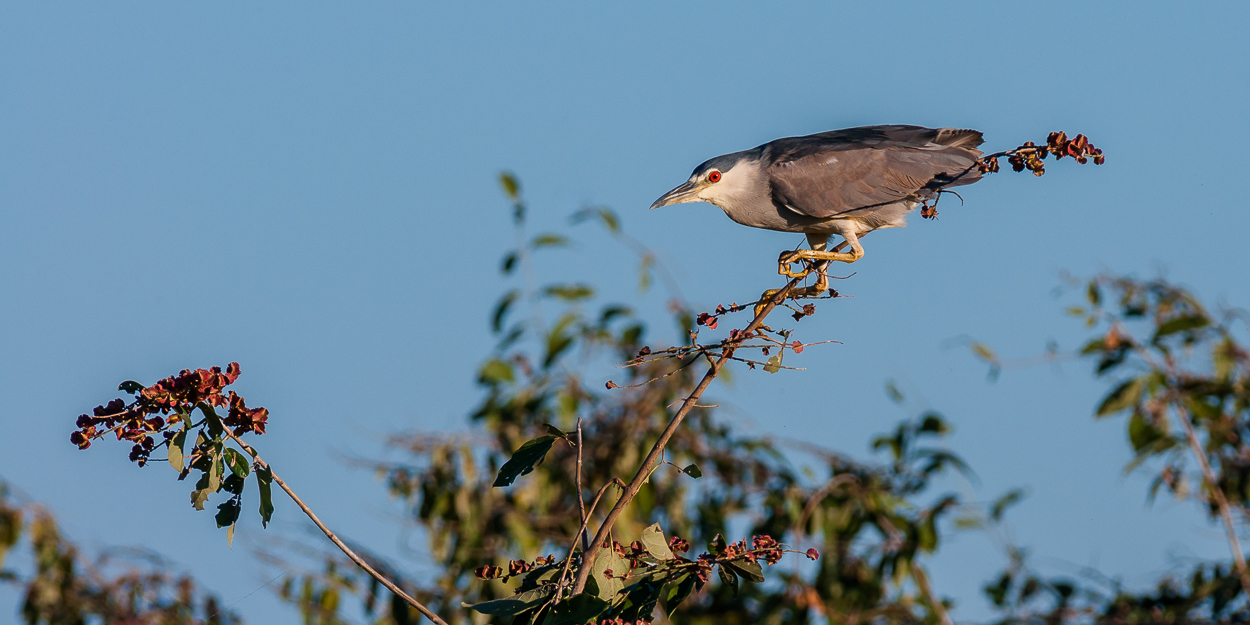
(515, 567)
(174, 398)
(678, 543)
(1030, 155)
(617, 621)
(810, 309)
(763, 547)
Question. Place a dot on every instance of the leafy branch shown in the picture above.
(165, 409)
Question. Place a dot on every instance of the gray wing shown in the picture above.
(837, 172)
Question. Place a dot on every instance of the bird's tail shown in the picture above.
(960, 138)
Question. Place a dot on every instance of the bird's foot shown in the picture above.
(788, 258)
(809, 291)
(764, 299)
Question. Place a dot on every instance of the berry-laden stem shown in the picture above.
(653, 458)
(335, 539)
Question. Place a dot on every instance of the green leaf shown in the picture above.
(1122, 397)
(495, 372)
(569, 292)
(750, 570)
(583, 608)
(654, 542)
(511, 605)
(728, 577)
(524, 460)
(233, 484)
(609, 560)
(774, 364)
(693, 471)
(511, 187)
(603, 214)
(215, 469)
(644, 272)
(932, 423)
(1141, 432)
(175, 450)
(264, 477)
(893, 392)
(540, 576)
(1224, 357)
(640, 599)
(717, 545)
(1000, 505)
(1180, 324)
(215, 428)
(501, 310)
(199, 496)
(677, 592)
(927, 536)
(558, 339)
(611, 312)
(508, 264)
(983, 351)
(1094, 346)
(228, 512)
(237, 462)
(549, 239)
(557, 432)
(1093, 294)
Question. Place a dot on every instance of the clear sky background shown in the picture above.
(309, 189)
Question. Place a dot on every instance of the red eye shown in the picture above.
(714, 176)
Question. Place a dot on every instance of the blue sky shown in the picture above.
(309, 189)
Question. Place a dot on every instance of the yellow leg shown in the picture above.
(817, 253)
(793, 256)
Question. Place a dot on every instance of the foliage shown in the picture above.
(1184, 382)
(872, 521)
(119, 588)
(1180, 367)
(166, 408)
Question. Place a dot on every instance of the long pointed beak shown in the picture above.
(685, 193)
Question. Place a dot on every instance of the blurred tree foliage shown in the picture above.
(122, 588)
(871, 522)
(499, 506)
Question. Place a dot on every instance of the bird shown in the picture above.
(846, 182)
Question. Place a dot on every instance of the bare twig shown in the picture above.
(588, 557)
(335, 539)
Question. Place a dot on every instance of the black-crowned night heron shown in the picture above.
(845, 182)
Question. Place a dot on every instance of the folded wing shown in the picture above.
(842, 171)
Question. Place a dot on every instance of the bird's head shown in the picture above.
(717, 181)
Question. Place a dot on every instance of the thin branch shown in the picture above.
(588, 557)
(817, 497)
(935, 604)
(335, 539)
(568, 560)
(1217, 493)
(581, 503)
(1195, 446)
